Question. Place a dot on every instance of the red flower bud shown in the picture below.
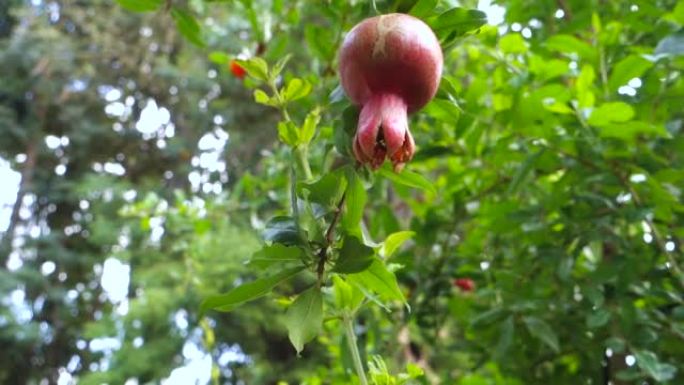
(465, 284)
(237, 70)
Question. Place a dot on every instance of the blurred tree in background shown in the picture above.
(534, 239)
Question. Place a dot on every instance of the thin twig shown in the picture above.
(329, 235)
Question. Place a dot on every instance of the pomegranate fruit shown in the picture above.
(390, 66)
(237, 70)
(465, 284)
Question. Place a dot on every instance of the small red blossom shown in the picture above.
(465, 284)
(237, 70)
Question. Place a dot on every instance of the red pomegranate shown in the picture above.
(465, 284)
(390, 65)
(237, 70)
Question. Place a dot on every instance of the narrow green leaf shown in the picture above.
(408, 178)
(649, 363)
(354, 204)
(584, 85)
(506, 333)
(523, 170)
(188, 26)
(627, 69)
(378, 279)
(276, 254)
(140, 5)
(394, 240)
(354, 256)
(458, 21)
(288, 133)
(247, 292)
(542, 331)
(309, 126)
(598, 318)
(278, 67)
(304, 318)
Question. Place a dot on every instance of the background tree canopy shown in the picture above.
(150, 148)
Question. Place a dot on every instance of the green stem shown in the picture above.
(301, 156)
(354, 348)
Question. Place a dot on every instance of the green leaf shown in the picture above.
(140, 5)
(309, 127)
(328, 190)
(288, 133)
(523, 170)
(513, 43)
(318, 41)
(585, 82)
(295, 89)
(394, 240)
(354, 256)
(629, 130)
(423, 8)
(262, 97)
(188, 26)
(278, 67)
(598, 318)
(304, 318)
(354, 203)
(489, 317)
(408, 178)
(378, 279)
(276, 254)
(569, 44)
(457, 21)
(282, 230)
(247, 292)
(346, 296)
(506, 334)
(648, 362)
(256, 67)
(220, 58)
(627, 69)
(612, 112)
(542, 331)
(443, 109)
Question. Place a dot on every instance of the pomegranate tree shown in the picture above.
(390, 66)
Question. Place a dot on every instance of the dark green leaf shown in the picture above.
(649, 363)
(282, 230)
(188, 26)
(543, 332)
(276, 254)
(304, 318)
(247, 292)
(458, 21)
(354, 256)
